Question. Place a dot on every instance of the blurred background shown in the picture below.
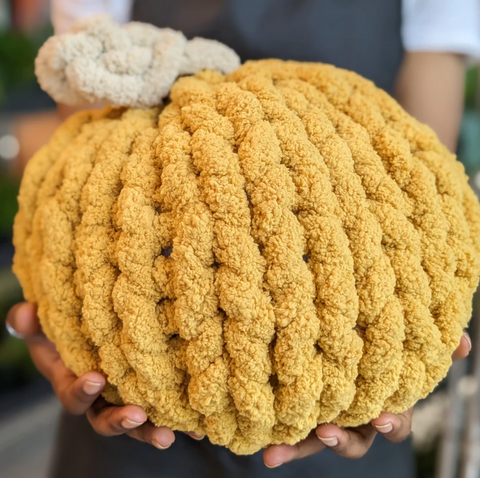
(28, 409)
(446, 425)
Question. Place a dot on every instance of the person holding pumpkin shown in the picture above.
(356, 46)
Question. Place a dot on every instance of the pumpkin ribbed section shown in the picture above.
(279, 247)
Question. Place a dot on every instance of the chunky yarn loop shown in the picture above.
(131, 65)
(276, 248)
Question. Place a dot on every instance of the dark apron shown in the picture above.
(81, 453)
(361, 35)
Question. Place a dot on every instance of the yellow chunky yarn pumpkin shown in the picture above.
(276, 248)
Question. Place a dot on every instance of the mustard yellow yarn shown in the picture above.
(279, 247)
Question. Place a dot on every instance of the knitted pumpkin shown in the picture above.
(275, 248)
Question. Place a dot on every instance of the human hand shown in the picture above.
(352, 442)
(80, 395)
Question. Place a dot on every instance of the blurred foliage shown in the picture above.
(471, 88)
(16, 367)
(17, 55)
(17, 74)
(8, 204)
(469, 142)
(469, 138)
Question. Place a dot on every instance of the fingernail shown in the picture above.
(331, 441)
(195, 436)
(387, 428)
(469, 340)
(92, 388)
(127, 423)
(160, 447)
(11, 330)
(273, 466)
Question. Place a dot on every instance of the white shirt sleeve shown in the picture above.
(65, 12)
(442, 25)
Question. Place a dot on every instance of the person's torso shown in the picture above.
(360, 35)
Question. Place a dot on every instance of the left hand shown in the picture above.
(352, 442)
(81, 395)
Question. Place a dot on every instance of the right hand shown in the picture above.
(81, 395)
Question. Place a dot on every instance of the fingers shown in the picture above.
(109, 420)
(347, 442)
(277, 455)
(195, 436)
(77, 394)
(23, 318)
(160, 437)
(463, 348)
(353, 443)
(394, 428)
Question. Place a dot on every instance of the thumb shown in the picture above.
(23, 319)
(463, 348)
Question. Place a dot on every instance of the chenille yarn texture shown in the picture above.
(124, 65)
(276, 248)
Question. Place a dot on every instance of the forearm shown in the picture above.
(64, 111)
(430, 86)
